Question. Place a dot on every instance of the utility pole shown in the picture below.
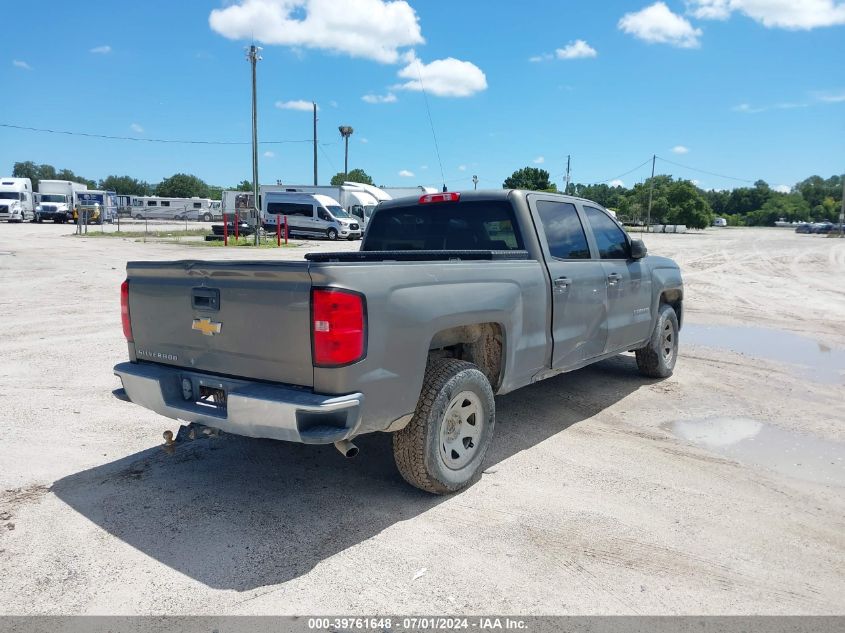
(842, 210)
(566, 185)
(650, 192)
(313, 103)
(253, 57)
(475, 182)
(345, 132)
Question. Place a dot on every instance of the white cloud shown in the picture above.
(539, 160)
(372, 29)
(782, 188)
(298, 104)
(423, 167)
(332, 103)
(371, 98)
(406, 174)
(462, 167)
(747, 108)
(576, 50)
(656, 24)
(617, 183)
(101, 50)
(831, 97)
(448, 77)
(269, 154)
(680, 149)
(19, 64)
(136, 128)
(784, 14)
(363, 140)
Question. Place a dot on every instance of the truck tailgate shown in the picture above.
(243, 319)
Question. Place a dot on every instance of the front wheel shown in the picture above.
(331, 234)
(139, 217)
(443, 446)
(657, 359)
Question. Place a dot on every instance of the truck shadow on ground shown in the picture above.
(237, 513)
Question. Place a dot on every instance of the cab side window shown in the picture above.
(324, 215)
(564, 231)
(611, 239)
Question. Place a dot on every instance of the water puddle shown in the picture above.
(808, 357)
(756, 443)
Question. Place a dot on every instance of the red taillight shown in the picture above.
(451, 196)
(124, 310)
(338, 324)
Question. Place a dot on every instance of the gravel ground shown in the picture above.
(591, 501)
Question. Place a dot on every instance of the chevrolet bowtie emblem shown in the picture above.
(206, 326)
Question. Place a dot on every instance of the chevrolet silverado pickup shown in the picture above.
(452, 298)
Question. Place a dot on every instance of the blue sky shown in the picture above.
(743, 88)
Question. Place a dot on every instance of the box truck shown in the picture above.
(57, 198)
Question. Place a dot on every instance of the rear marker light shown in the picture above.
(124, 310)
(452, 196)
(338, 319)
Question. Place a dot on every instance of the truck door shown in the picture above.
(579, 290)
(628, 283)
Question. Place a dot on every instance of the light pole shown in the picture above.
(253, 58)
(475, 182)
(345, 132)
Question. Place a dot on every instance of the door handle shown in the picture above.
(562, 283)
(613, 279)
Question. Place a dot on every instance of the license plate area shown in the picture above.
(212, 397)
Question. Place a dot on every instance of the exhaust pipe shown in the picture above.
(346, 448)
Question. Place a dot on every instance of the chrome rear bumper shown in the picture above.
(251, 409)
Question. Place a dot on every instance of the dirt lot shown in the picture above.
(597, 496)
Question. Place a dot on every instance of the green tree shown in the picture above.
(37, 173)
(244, 185)
(531, 178)
(687, 206)
(791, 207)
(354, 175)
(182, 186)
(126, 185)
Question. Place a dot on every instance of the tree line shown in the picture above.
(682, 202)
(176, 186)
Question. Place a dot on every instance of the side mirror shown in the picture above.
(638, 249)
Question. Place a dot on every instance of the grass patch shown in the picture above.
(242, 242)
(93, 232)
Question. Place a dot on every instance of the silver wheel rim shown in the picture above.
(667, 341)
(460, 430)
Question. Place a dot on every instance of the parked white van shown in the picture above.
(17, 203)
(311, 215)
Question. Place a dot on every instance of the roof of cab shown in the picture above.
(483, 194)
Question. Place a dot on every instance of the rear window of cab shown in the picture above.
(473, 226)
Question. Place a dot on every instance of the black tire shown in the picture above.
(206, 217)
(418, 449)
(139, 217)
(331, 234)
(657, 359)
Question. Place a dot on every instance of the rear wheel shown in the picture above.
(331, 234)
(657, 359)
(206, 217)
(443, 446)
(139, 216)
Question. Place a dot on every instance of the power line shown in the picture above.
(709, 173)
(645, 162)
(147, 140)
